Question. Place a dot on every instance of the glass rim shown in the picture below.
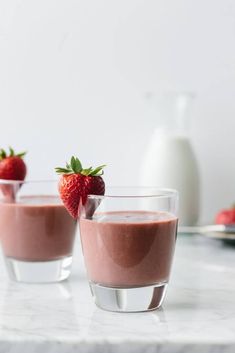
(158, 193)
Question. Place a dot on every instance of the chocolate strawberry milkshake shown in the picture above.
(36, 228)
(36, 233)
(128, 244)
(128, 249)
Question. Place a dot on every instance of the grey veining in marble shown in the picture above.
(198, 314)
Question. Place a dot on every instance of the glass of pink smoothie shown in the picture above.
(36, 232)
(128, 240)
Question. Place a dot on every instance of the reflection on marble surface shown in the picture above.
(198, 314)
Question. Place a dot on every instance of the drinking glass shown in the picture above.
(128, 239)
(36, 232)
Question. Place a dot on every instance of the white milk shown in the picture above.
(170, 162)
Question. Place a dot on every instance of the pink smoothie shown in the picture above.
(125, 249)
(36, 228)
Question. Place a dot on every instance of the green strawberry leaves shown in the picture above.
(75, 167)
(98, 170)
(3, 153)
(12, 153)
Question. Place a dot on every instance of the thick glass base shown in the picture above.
(39, 271)
(128, 299)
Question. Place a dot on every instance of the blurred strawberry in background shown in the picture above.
(226, 216)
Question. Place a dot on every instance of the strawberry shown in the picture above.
(12, 166)
(226, 216)
(76, 183)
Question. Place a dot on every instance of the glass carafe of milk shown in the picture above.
(169, 160)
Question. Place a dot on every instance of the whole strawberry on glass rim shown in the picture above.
(12, 165)
(76, 183)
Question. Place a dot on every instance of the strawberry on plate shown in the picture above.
(226, 216)
(12, 166)
(76, 183)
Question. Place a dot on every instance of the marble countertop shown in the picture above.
(198, 314)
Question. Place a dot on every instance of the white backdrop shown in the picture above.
(74, 73)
